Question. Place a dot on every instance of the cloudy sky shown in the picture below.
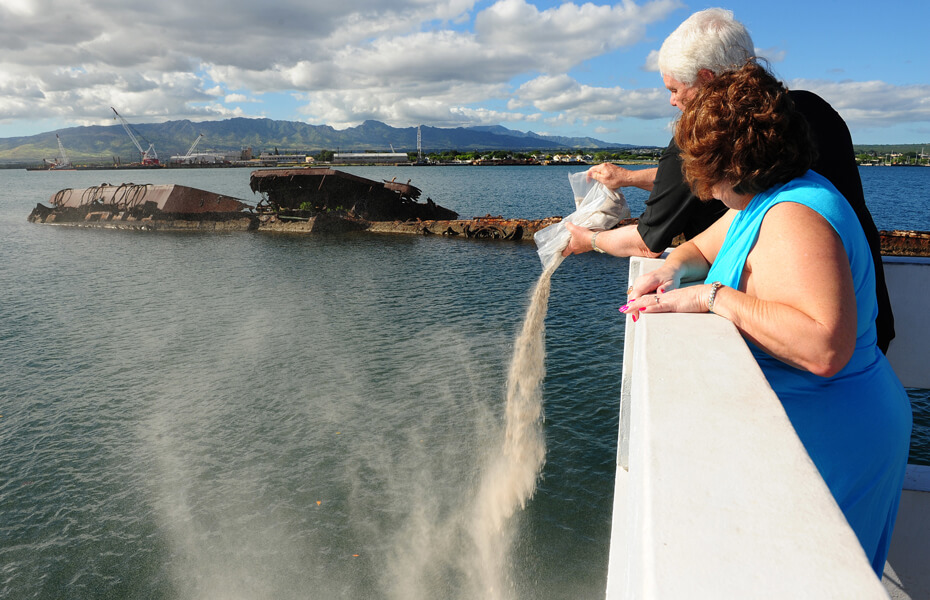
(552, 67)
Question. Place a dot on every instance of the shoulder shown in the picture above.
(812, 105)
(791, 216)
(670, 159)
(811, 187)
(806, 98)
(792, 235)
(803, 202)
(836, 158)
(823, 119)
(805, 212)
(818, 193)
(669, 181)
(672, 149)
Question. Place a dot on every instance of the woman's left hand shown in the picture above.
(692, 299)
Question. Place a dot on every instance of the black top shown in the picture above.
(672, 209)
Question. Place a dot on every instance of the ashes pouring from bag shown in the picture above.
(509, 478)
(596, 207)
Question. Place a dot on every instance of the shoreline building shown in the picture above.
(367, 158)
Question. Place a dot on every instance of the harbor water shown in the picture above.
(250, 416)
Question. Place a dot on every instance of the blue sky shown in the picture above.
(558, 68)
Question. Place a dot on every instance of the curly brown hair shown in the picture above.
(742, 128)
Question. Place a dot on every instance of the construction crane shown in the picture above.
(148, 156)
(194, 145)
(62, 161)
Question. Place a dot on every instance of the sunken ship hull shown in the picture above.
(145, 207)
(314, 200)
(312, 191)
(320, 199)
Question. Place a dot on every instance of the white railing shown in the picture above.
(715, 495)
(908, 281)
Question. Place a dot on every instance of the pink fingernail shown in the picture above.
(624, 308)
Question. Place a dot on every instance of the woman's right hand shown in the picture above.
(659, 281)
(691, 299)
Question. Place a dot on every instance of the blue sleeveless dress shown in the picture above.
(856, 425)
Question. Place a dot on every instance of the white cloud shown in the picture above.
(17, 7)
(872, 103)
(232, 98)
(652, 62)
(773, 55)
(562, 94)
(560, 38)
(405, 62)
(403, 107)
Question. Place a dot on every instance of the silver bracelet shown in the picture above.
(594, 243)
(713, 295)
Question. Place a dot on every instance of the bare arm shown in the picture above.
(614, 176)
(622, 241)
(688, 262)
(798, 305)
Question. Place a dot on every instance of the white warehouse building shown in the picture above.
(370, 157)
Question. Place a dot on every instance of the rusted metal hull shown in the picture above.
(106, 219)
(487, 227)
(905, 243)
(145, 207)
(170, 198)
(893, 243)
(311, 191)
(322, 223)
(181, 208)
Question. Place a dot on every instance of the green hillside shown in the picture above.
(107, 143)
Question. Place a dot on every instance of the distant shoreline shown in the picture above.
(101, 167)
(92, 167)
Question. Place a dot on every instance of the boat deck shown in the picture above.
(906, 575)
(704, 509)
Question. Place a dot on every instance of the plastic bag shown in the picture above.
(596, 207)
(581, 185)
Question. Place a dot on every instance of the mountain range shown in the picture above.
(104, 143)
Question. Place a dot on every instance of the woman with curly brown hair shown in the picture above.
(789, 265)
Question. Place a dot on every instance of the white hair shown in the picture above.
(710, 39)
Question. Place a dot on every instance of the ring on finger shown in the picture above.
(657, 299)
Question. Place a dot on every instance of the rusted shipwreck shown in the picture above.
(144, 206)
(293, 200)
(321, 199)
(312, 191)
(314, 200)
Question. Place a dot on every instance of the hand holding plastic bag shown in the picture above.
(596, 207)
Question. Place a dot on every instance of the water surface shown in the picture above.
(248, 415)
